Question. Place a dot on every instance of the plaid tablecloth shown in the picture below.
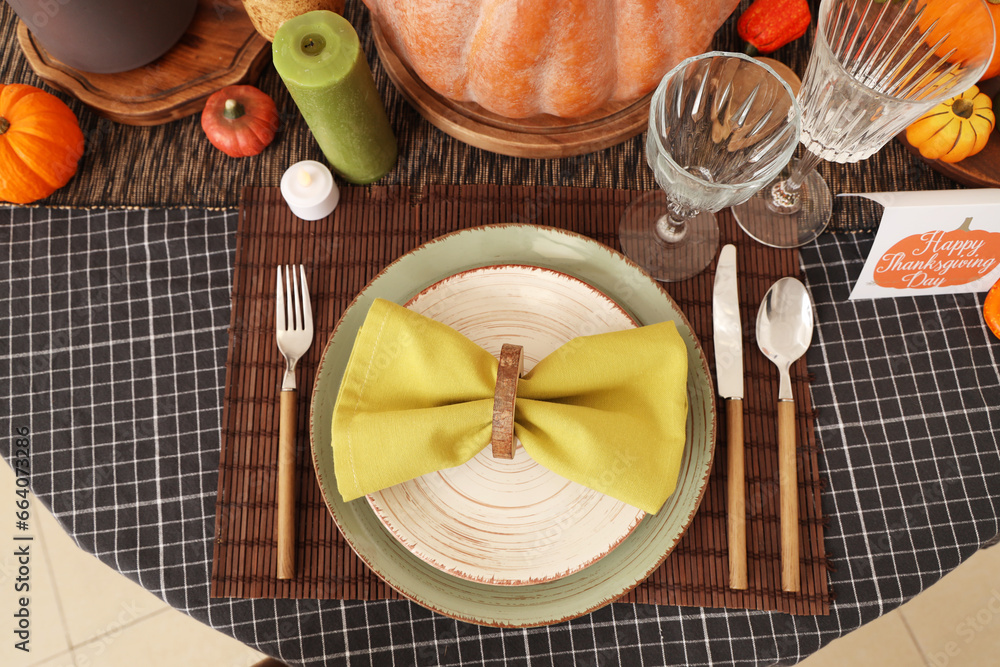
(113, 350)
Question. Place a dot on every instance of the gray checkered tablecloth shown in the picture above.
(113, 349)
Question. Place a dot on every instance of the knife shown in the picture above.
(729, 374)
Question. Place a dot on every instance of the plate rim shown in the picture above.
(710, 436)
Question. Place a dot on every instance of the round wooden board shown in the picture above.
(537, 137)
(981, 170)
(220, 48)
(785, 72)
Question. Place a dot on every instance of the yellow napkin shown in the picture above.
(606, 411)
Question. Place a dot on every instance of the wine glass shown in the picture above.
(875, 67)
(721, 125)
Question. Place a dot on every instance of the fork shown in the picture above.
(294, 333)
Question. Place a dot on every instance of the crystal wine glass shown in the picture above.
(875, 67)
(721, 125)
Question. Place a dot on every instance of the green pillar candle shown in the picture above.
(319, 57)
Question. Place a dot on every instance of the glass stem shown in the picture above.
(785, 198)
(671, 228)
(802, 170)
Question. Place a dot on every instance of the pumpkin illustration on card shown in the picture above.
(939, 258)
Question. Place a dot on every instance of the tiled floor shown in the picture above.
(954, 623)
(84, 614)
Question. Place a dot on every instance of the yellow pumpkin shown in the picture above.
(954, 129)
(521, 58)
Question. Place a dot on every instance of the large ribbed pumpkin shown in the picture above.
(568, 58)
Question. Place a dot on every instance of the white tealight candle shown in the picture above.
(309, 190)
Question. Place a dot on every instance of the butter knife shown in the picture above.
(728, 338)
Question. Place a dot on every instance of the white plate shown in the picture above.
(510, 522)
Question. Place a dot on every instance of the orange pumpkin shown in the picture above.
(938, 258)
(951, 17)
(994, 67)
(240, 120)
(991, 309)
(518, 58)
(40, 143)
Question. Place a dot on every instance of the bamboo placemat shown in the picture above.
(370, 228)
(174, 165)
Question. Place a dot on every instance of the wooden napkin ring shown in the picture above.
(510, 369)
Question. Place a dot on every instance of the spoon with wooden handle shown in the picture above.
(784, 331)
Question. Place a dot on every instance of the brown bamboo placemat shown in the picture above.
(174, 165)
(370, 228)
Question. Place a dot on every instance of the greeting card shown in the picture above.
(939, 242)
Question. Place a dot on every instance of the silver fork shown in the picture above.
(294, 332)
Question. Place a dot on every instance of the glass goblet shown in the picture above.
(875, 67)
(721, 125)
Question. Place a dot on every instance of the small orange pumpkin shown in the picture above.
(938, 258)
(994, 67)
(991, 309)
(951, 17)
(955, 129)
(240, 120)
(40, 143)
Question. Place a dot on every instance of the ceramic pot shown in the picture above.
(106, 36)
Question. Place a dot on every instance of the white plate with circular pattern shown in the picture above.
(509, 522)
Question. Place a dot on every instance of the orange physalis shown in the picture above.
(767, 25)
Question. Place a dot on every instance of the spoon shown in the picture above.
(784, 331)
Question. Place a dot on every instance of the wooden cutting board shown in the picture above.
(220, 48)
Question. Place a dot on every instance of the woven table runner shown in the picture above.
(173, 165)
(370, 228)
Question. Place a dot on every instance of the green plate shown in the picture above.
(638, 555)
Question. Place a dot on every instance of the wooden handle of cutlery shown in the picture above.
(789, 485)
(737, 496)
(287, 432)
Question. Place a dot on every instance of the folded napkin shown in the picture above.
(606, 411)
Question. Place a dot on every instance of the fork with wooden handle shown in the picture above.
(294, 333)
